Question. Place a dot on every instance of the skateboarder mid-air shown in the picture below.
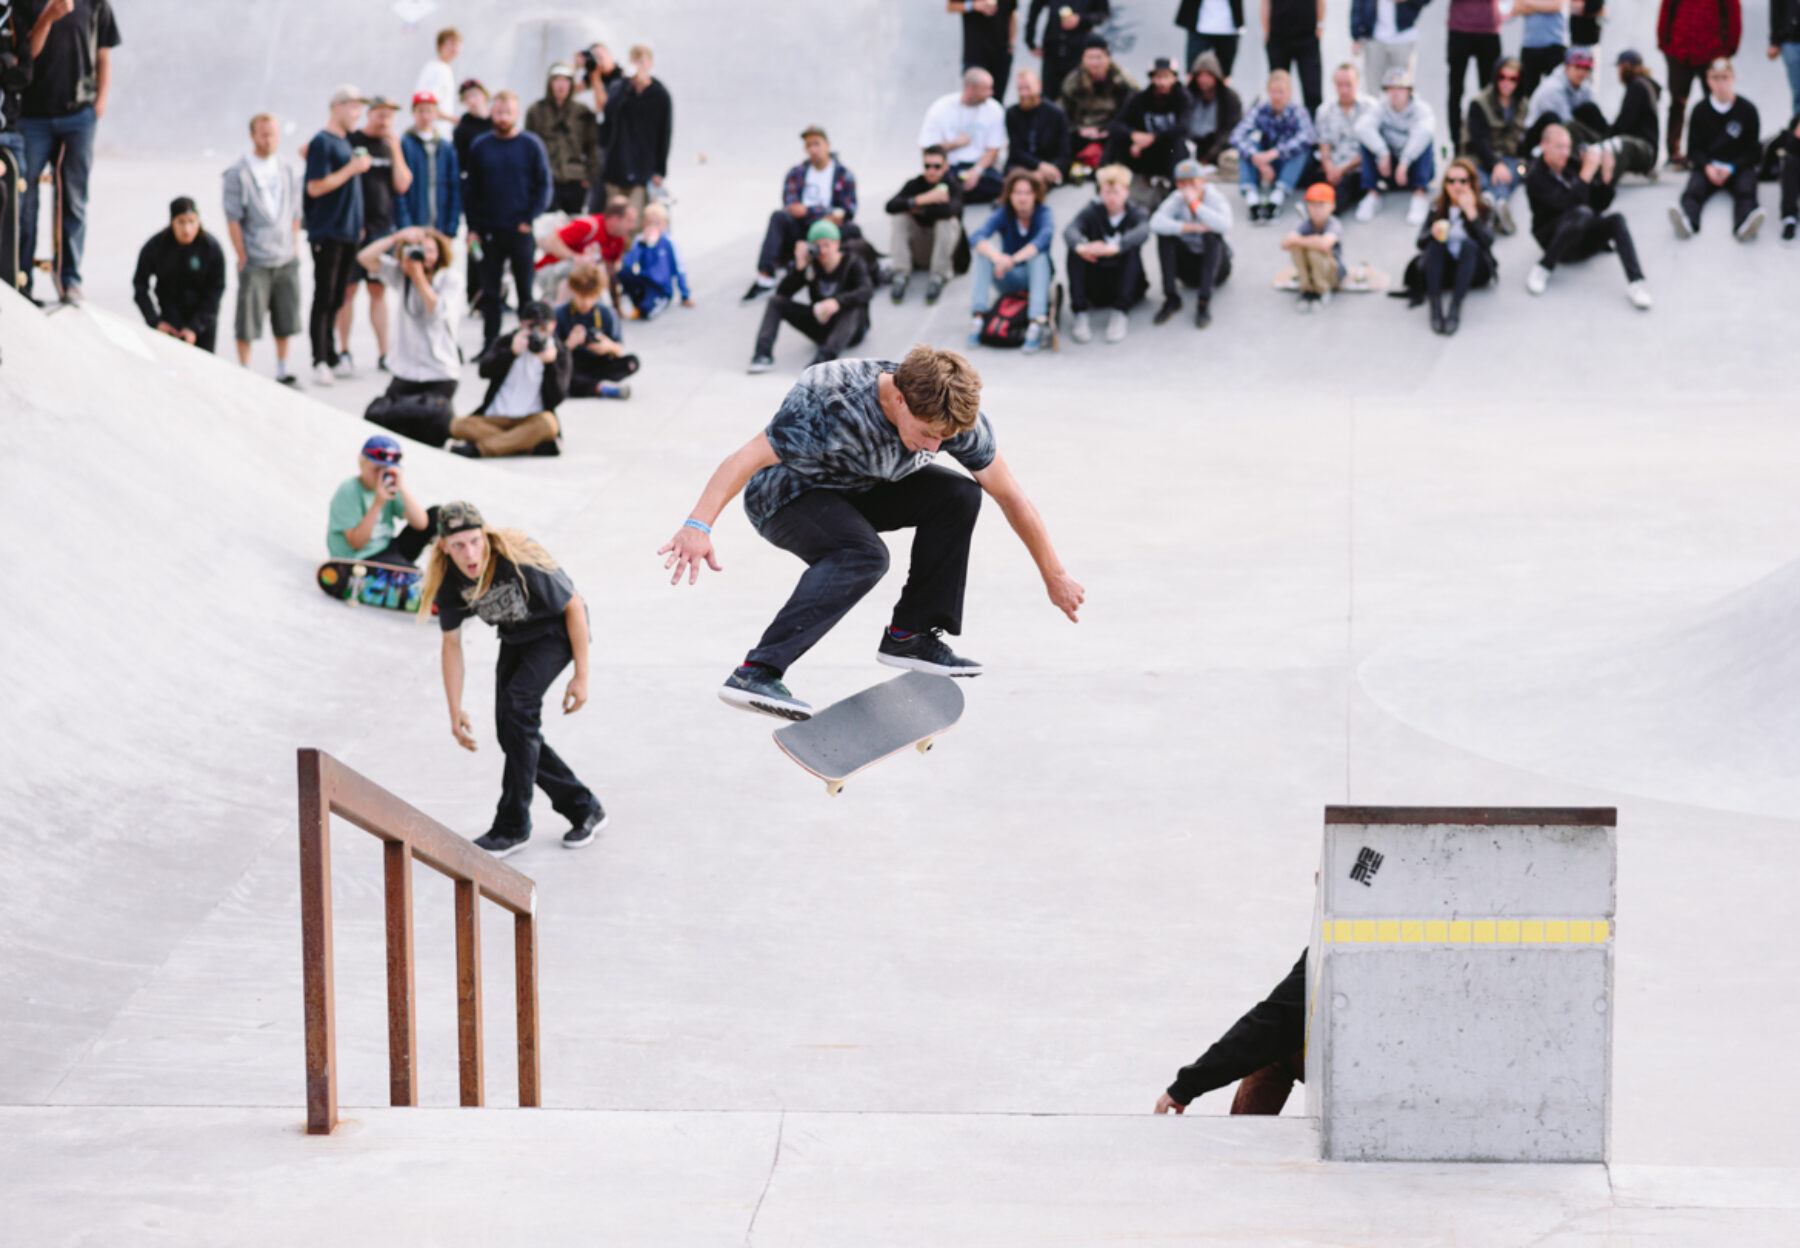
(503, 578)
(846, 458)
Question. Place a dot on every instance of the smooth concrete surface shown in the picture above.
(1277, 521)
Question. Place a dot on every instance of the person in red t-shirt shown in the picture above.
(599, 238)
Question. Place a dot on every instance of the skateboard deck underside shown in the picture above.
(858, 732)
(361, 583)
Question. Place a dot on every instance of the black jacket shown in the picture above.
(1091, 226)
(850, 284)
(189, 282)
(930, 213)
(1188, 15)
(1637, 112)
(469, 127)
(639, 125)
(1553, 194)
(1058, 44)
(497, 361)
(1156, 114)
(15, 64)
(1733, 137)
(1784, 22)
(1272, 1031)
(1038, 137)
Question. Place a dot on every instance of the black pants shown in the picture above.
(1156, 161)
(408, 544)
(1225, 47)
(569, 197)
(1000, 66)
(987, 188)
(1682, 78)
(785, 229)
(1303, 55)
(1057, 67)
(1582, 232)
(834, 337)
(1115, 282)
(838, 534)
(1790, 183)
(1203, 269)
(332, 262)
(1465, 46)
(1534, 63)
(400, 388)
(1462, 272)
(591, 371)
(509, 245)
(521, 678)
(1741, 186)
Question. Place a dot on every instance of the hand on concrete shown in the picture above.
(1166, 1104)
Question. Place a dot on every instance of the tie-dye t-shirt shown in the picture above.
(831, 434)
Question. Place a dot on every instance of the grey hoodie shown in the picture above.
(268, 228)
(1559, 97)
(1405, 134)
(1214, 213)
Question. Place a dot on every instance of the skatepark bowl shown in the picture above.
(1330, 560)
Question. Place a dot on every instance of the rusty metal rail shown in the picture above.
(327, 788)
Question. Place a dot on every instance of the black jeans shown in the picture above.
(592, 371)
(400, 388)
(1790, 184)
(1225, 47)
(1582, 232)
(1741, 186)
(785, 229)
(1303, 55)
(1465, 46)
(1115, 282)
(1000, 66)
(1469, 269)
(1203, 269)
(570, 197)
(834, 337)
(1534, 63)
(521, 678)
(1682, 78)
(408, 544)
(498, 249)
(838, 534)
(332, 262)
(1158, 160)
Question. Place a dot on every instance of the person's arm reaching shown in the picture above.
(1274, 1029)
(691, 546)
(452, 656)
(1022, 514)
(575, 616)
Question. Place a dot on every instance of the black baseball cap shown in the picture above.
(537, 310)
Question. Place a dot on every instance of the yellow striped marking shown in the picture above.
(1466, 931)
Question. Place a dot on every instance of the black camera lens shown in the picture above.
(536, 341)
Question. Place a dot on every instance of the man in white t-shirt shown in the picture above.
(439, 78)
(528, 378)
(971, 126)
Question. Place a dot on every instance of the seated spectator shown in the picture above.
(1567, 208)
(1106, 261)
(1037, 133)
(1152, 132)
(1190, 227)
(651, 272)
(528, 378)
(1216, 111)
(435, 197)
(1456, 246)
(262, 212)
(1566, 96)
(1273, 141)
(1093, 96)
(599, 239)
(1337, 161)
(1066, 30)
(570, 135)
(598, 361)
(374, 517)
(1785, 147)
(816, 189)
(1495, 138)
(1397, 148)
(971, 126)
(927, 217)
(1724, 149)
(180, 278)
(1634, 134)
(838, 289)
(1317, 248)
(1012, 253)
(423, 358)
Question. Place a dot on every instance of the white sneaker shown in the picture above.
(1538, 280)
(1082, 330)
(1415, 211)
(1115, 328)
(322, 375)
(1639, 294)
(1677, 218)
(346, 367)
(1503, 215)
(1370, 205)
(1751, 225)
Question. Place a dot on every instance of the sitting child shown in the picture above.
(651, 271)
(590, 330)
(1316, 247)
(374, 517)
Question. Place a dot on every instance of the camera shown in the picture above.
(413, 253)
(536, 340)
(590, 65)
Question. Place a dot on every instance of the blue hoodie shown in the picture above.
(657, 263)
(415, 207)
(509, 181)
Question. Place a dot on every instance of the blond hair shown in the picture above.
(1113, 175)
(511, 545)
(507, 95)
(941, 388)
(260, 118)
(1281, 75)
(656, 214)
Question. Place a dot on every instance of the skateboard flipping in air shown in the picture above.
(845, 459)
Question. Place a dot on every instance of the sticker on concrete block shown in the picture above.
(1368, 862)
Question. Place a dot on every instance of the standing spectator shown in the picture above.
(180, 278)
(1786, 146)
(474, 122)
(1457, 245)
(599, 239)
(1273, 143)
(1093, 96)
(71, 45)
(1065, 34)
(1385, 34)
(1397, 148)
(819, 188)
(599, 72)
(1338, 160)
(434, 197)
(1190, 228)
(386, 178)
(1495, 139)
(1012, 252)
(640, 121)
(927, 217)
(838, 289)
(1784, 43)
(1474, 36)
(1106, 255)
(262, 212)
(651, 272)
(528, 379)
(438, 76)
(508, 186)
(1567, 97)
(15, 54)
(334, 222)
(1543, 43)
(1037, 133)
(1692, 34)
(425, 358)
(1317, 248)
(1291, 31)
(1569, 217)
(1634, 134)
(989, 30)
(1724, 150)
(971, 126)
(1216, 112)
(1212, 26)
(571, 136)
(599, 363)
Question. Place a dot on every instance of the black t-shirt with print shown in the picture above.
(523, 603)
(377, 186)
(65, 77)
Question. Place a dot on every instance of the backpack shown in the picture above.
(421, 417)
(1004, 325)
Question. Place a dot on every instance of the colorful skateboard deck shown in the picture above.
(371, 584)
(855, 734)
(1362, 279)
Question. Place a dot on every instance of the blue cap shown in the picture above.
(382, 449)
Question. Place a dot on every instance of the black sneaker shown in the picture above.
(583, 833)
(757, 290)
(761, 363)
(1787, 230)
(1203, 314)
(1169, 308)
(466, 449)
(897, 292)
(500, 845)
(549, 447)
(924, 652)
(754, 687)
(934, 286)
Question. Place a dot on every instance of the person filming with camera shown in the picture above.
(422, 356)
(528, 378)
(838, 288)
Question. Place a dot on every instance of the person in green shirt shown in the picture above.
(374, 517)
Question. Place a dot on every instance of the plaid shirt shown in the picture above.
(843, 189)
(1289, 132)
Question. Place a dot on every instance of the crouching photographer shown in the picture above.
(414, 264)
(528, 378)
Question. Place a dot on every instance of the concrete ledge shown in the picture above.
(1478, 816)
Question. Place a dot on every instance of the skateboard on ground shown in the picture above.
(359, 582)
(1053, 336)
(855, 734)
(1361, 279)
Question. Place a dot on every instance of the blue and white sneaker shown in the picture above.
(754, 687)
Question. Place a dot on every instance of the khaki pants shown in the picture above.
(930, 247)
(1317, 270)
(498, 436)
(1379, 57)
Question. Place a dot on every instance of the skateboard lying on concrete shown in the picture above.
(371, 584)
(855, 734)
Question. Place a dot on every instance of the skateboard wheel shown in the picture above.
(834, 787)
(925, 745)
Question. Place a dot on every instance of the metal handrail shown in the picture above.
(327, 787)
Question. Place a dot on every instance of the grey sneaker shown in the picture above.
(934, 286)
(582, 833)
(1751, 225)
(924, 652)
(501, 845)
(761, 363)
(1679, 219)
(754, 687)
(897, 291)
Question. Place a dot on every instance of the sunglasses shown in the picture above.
(934, 164)
(383, 455)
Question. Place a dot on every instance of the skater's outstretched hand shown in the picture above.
(1166, 1104)
(575, 697)
(1066, 593)
(464, 730)
(686, 551)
